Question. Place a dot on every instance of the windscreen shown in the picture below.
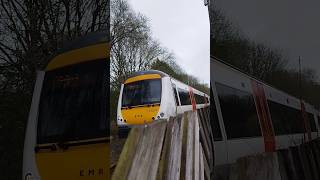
(141, 93)
(73, 104)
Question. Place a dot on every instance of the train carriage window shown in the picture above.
(199, 99)
(239, 112)
(312, 122)
(73, 104)
(175, 94)
(196, 96)
(285, 120)
(217, 136)
(184, 97)
(203, 99)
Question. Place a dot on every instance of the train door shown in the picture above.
(175, 94)
(306, 125)
(264, 116)
(219, 134)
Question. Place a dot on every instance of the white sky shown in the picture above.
(181, 26)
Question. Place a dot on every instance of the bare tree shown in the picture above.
(257, 59)
(31, 31)
(231, 45)
(133, 48)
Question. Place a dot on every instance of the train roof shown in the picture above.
(92, 45)
(162, 74)
(86, 40)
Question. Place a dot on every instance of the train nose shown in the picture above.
(140, 115)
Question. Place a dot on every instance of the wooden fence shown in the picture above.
(300, 162)
(177, 148)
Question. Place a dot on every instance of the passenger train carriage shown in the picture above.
(67, 135)
(147, 96)
(249, 116)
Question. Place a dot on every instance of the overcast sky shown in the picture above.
(182, 26)
(290, 25)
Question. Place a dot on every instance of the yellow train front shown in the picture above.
(67, 135)
(151, 95)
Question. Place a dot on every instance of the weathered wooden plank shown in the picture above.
(174, 159)
(206, 168)
(304, 162)
(196, 146)
(184, 146)
(146, 159)
(127, 154)
(204, 139)
(201, 164)
(205, 124)
(165, 152)
(262, 166)
(205, 144)
(312, 162)
(211, 138)
(190, 149)
(207, 120)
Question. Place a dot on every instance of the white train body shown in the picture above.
(151, 95)
(236, 136)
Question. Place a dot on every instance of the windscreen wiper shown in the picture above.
(52, 147)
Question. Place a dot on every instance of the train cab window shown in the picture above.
(239, 112)
(217, 136)
(73, 103)
(199, 99)
(175, 94)
(285, 119)
(196, 97)
(312, 122)
(143, 92)
(184, 97)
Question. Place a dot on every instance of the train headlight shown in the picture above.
(162, 114)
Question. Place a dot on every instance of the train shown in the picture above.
(148, 96)
(249, 116)
(67, 134)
